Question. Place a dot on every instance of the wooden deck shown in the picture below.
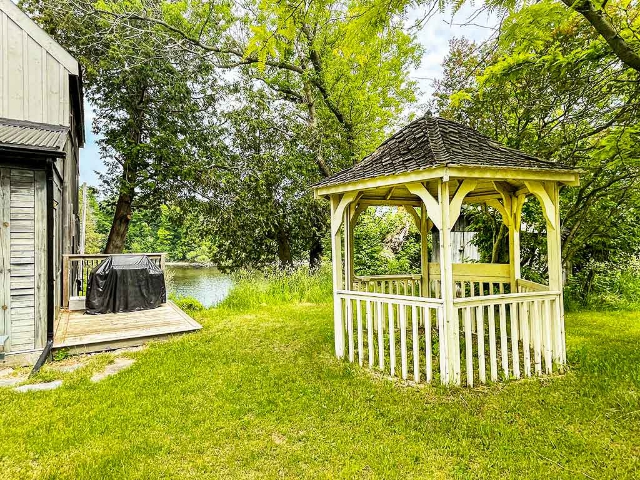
(81, 333)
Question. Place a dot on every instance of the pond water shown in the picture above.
(205, 284)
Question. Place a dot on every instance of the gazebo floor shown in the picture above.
(81, 333)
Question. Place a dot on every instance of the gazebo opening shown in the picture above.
(457, 321)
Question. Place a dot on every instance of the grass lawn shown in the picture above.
(258, 394)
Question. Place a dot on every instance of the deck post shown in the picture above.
(65, 281)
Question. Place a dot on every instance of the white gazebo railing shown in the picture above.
(496, 336)
(395, 327)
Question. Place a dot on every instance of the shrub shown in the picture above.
(605, 285)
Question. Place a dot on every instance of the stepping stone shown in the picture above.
(117, 366)
(11, 381)
(68, 368)
(38, 387)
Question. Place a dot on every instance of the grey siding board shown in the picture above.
(41, 258)
(23, 324)
(5, 247)
(35, 85)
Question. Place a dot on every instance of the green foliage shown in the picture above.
(254, 289)
(550, 86)
(386, 241)
(60, 354)
(97, 226)
(188, 304)
(612, 285)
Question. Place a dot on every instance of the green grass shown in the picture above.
(258, 394)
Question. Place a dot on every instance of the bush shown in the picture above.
(188, 304)
(253, 289)
(605, 286)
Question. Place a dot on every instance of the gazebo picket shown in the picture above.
(402, 314)
(416, 345)
(360, 336)
(504, 345)
(482, 372)
(526, 338)
(548, 347)
(493, 360)
(515, 354)
(370, 346)
(468, 343)
(427, 344)
(392, 340)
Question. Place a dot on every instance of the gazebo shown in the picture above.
(473, 321)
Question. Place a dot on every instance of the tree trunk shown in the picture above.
(498, 244)
(284, 250)
(120, 225)
(315, 253)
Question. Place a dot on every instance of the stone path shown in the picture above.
(117, 366)
(7, 379)
(37, 387)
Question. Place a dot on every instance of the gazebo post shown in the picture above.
(515, 222)
(451, 325)
(554, 249)
(424, 252)
(348, 249)
(336, 262)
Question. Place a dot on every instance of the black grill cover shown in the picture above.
(125, 283)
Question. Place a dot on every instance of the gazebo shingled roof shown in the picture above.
(436, 142)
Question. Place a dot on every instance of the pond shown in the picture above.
(206, 284)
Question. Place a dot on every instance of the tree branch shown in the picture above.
(596, 18)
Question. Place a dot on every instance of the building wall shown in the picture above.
(34, 73)
(34, 86)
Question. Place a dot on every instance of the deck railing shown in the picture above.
(393, 326)
(76, 270)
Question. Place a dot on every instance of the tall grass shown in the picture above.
(605, 286)
(275, 287)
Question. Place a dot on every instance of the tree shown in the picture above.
(549, 86)
(342, 67)
(264, 209)
(152, 107)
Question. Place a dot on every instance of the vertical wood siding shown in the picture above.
(22, 226)
(34, 86)
(23, 270)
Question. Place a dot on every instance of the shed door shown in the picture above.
(20, 239)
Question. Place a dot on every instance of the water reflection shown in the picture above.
(207, 285)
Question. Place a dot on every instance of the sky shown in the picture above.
(434, 36)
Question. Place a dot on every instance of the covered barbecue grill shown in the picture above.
(125, 283)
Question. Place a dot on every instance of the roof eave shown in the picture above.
(31, 150)
(565, 176)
